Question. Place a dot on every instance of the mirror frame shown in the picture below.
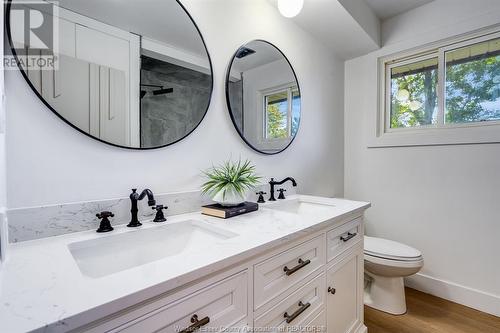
(228, 102)
(13, 51)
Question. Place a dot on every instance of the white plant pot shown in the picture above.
(231, 198)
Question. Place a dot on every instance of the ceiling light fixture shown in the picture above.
(290, 8)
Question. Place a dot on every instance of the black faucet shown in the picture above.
(134, 197)
(273, 183)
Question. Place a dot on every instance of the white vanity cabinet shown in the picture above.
(344, 300)
(314, 283)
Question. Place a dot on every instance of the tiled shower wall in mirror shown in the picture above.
(168, 116)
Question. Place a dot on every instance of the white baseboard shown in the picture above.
(362, 329)
(470, 297)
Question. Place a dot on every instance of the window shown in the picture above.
(282, 113)
(414, 94)
(470, 93)
(473, 83)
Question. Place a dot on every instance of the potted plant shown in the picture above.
(229, 183)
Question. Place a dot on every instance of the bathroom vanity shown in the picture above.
(295, 263)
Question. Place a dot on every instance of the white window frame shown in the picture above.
(289, 89)
(439, 133)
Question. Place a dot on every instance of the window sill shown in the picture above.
(465, 135)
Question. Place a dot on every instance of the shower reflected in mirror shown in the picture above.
(134, 74)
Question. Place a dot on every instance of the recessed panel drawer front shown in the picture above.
(317, 324)
(223, 304)
(297, 310)
(342, 238)
(280, 272)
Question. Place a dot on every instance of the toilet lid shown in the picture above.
(385, 248)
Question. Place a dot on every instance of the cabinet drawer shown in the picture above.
(340, 239)
(299, 309)
(220, 305)
(276, 274)
(317, 324)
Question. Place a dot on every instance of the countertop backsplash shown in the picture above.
(54, 220)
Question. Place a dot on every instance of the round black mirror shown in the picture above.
(263, 97)
(133, 74)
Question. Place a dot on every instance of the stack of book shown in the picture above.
(226, 212)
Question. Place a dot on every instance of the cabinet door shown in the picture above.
(113, 106)
(67, 90)
(345, 292)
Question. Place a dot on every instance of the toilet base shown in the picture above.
(386, 294)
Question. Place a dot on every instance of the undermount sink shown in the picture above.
(298, 206)
(111, 254)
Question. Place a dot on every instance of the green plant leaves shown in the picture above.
(230, 176)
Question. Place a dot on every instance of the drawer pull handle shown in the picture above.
(302, 263)
(303, 307)
(332, 290)
(349, 236)
(196, 324)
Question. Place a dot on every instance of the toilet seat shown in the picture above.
(390, 250)
(414, 263)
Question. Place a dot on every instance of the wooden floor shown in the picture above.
(431, 314)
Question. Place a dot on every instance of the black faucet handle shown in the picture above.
(104, 215)
(159, 217)
(105, 225)
(261, 196)
(282, 194)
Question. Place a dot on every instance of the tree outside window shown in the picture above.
(282, 113)
(472, 88)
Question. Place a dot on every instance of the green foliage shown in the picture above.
(275, 121)
(422, 88)
(468, 86)
(230, 176)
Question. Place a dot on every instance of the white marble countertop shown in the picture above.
(42, 288)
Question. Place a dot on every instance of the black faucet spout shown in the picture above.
(273, 183)
(134, 197)
(151, 198)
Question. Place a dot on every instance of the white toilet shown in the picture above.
(386, 264)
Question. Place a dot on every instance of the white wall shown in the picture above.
(3, 194)
(48, 162)
(443, 200)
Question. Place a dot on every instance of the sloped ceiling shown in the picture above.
(385, 9)
(349, 28)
